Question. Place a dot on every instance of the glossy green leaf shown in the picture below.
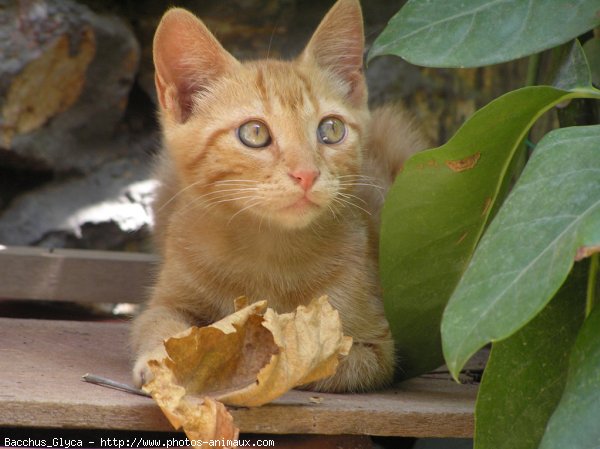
(473, 33)
(530, 246)
(576, 422)
(435, 214)
(526, 373)
(572, 70)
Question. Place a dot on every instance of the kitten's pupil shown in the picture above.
(331, 130)
(254, 134)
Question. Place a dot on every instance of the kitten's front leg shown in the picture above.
(371, 361)
(149, 331)
(368, 366)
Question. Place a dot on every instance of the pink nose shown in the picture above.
(306, 178)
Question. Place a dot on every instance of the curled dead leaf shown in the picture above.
(202, 418)
(249, 358)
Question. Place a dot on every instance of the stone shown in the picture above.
(105, 208)
(65, 77)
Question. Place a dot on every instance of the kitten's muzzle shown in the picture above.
(305, 178)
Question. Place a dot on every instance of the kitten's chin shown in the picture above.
(298, 215)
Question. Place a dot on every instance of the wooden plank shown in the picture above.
(74, 275)
(42, 362)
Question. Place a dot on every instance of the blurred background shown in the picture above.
(77, 104)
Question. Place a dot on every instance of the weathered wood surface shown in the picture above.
(41, 364)
(74, 275)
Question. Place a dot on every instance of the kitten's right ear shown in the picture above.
(337, 46)
(187, 59)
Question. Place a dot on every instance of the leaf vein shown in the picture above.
(453, 17)
(522, 272)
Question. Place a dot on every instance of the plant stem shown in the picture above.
(591, 285)
(522, 156)
(579, 112)
(533, 69)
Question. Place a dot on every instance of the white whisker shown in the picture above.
(313, 228)
(231, 199)
(212, 197)
(352, 184)
(350, 203)
(240, 182)
(243, 209)
(348, 195)
(356, 176)
(177, 194)
(332, 210)
(230, 181)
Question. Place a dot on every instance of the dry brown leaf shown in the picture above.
(202, 418)
(249, 358)
(309, 342)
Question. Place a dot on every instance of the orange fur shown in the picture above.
(233, 220)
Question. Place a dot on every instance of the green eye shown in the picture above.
(254, 134)
(331, 130)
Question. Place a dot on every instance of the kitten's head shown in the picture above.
(264, 140)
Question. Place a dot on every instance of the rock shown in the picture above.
(102, 210)
(38, 61)
(65, 77)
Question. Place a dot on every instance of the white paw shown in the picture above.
(142, 374)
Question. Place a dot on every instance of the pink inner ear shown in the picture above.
(187, 58)
(176, 99)
(185, 91)
(338, 44)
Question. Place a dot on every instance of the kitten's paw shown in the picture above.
(142, 374)
(368, 366)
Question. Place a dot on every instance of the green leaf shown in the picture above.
(526, 373)
(574, 424)
(573, 70)
(473, 33)
(435, 214)
(530, 246)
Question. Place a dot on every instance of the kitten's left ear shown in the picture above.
(337, 46)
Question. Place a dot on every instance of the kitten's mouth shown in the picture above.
(301, 204)
(300, 210)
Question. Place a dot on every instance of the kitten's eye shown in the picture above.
(254, 134)
(331, 130)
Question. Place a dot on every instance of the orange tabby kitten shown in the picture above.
(272, 180)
